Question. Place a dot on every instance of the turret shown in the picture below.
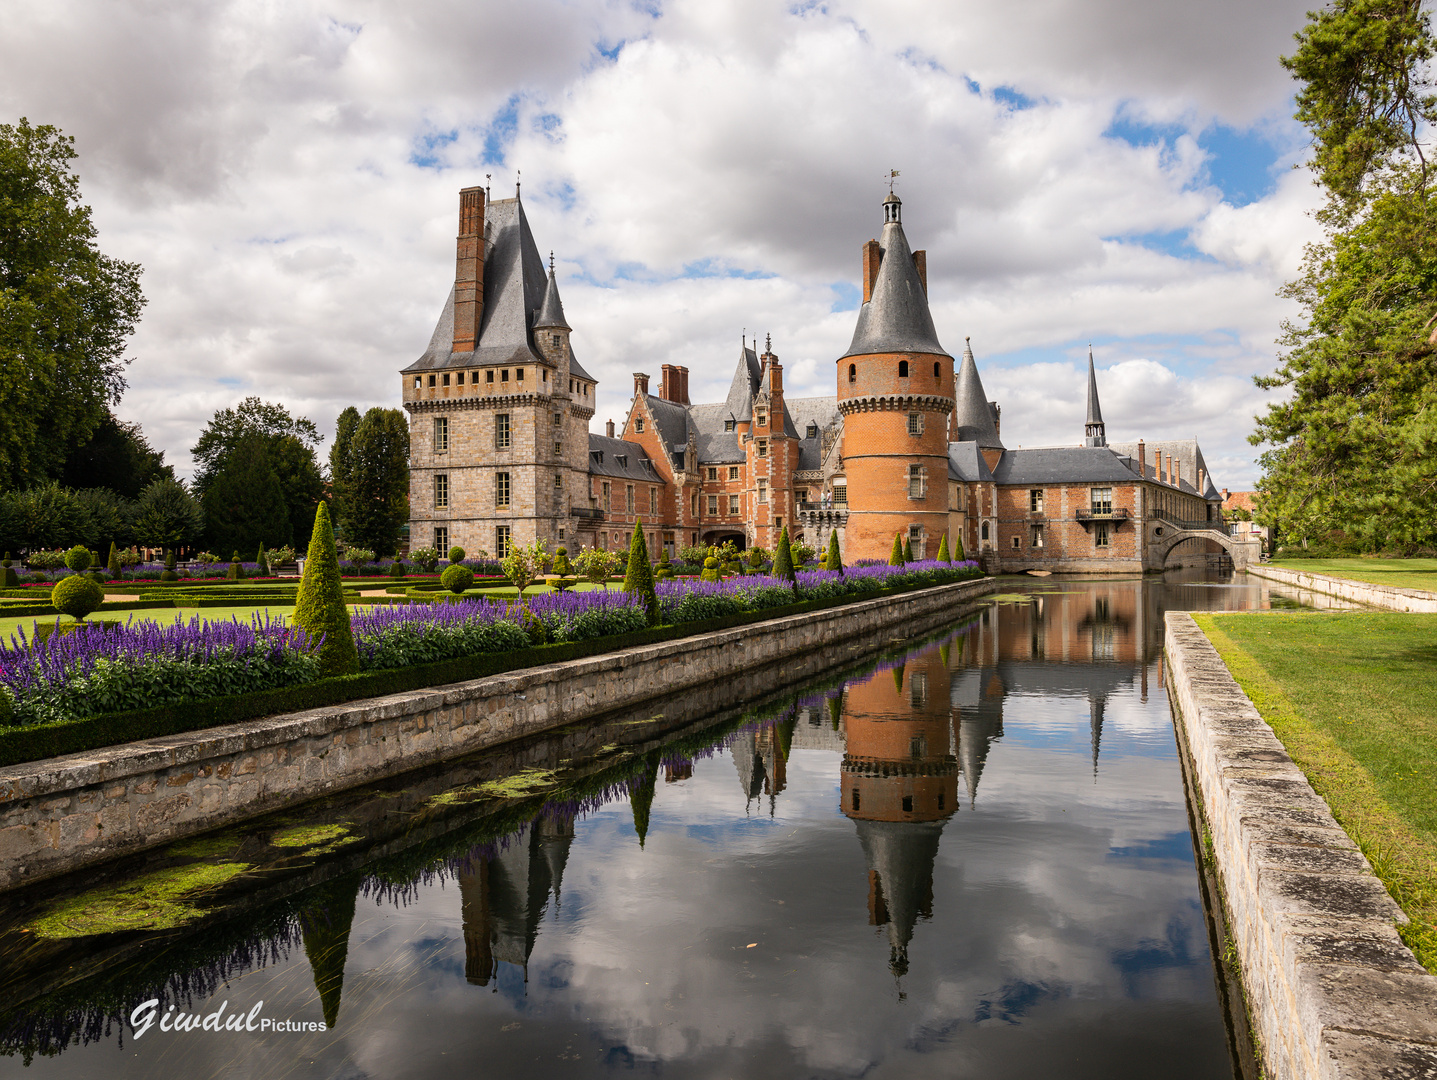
(1094, 430)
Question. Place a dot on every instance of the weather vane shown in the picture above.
(892, 176)
(487, 178)
(551, 260)
(517, 174)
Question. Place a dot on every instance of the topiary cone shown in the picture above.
(319, 607)
(639, 576)
(113, 564)
(895, 557)
(943, 549)
(833, 560)
(783, 559)
(907, 550)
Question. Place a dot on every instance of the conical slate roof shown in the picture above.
(551, 312)
(746, 376)
(971, 412)
(1094, 431)
(896, 317)
(900, 855)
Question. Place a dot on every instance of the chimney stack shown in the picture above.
(609, 429)
(1158, 466)
(469, 270)
(668, 383)
(775, 376)
(872, 256)
(683, 385)
(920, 261)
(1142, 459)
(641, 382)
(1201, 480)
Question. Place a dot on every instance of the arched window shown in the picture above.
(985, 530)
(936, 374)
(852, 372)
(903, 369)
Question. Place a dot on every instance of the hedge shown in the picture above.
(38, 741)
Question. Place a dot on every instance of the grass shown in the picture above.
(1398, 573)
(1353, 697)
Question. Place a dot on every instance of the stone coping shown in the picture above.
(1331, 990)
(1361, 592)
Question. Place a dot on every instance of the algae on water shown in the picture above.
(518, 786)
(161, 900)
(303, 836)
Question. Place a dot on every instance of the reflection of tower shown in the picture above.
(503, 898)
(976, 699)
(900, 785)
(325, 921)
(761, 758)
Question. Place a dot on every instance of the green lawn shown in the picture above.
(1353, 697)
(1400, 573)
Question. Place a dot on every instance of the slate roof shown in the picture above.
(1186, 451)
(965, 462)
(1064, 465)
(972, 412)
(799, 413)
(744, 386)
(618, 458)
(716, 446)
(551, 311)
(896, 317)
(1095, 411)
(672, 421)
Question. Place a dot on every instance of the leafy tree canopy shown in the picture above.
(167, 515)
(116, 456)
(244, 504)
(1351, 449)
(369, 471)
(65, 308)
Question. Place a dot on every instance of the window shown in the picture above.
(501, 431)
(713, 506)
(519, 375)
(852, 372)
(1037, 536)
(441, 434)
(431, 380)
(446, 378)
(713, 472)
(441, 540)
(1017, 542)
(546, 379)
(489, 375)
(937, 371)
(558, 481)
(985, 531)
(917, 482)
(556, 339)
(629, 498)
(558, 419)
(639, 425)
(840, 494)
(653, 502)
(571, 386)
(1101, 537)
(501, 491)
(558, 448)
(503, 540)
(730, 424)
(915, 423)
(608, 497)
(763, 491)
(418, 382)
(1035, 501)
(441, 491)
(908, 804)
(761, 418)
(903, 369)
(504, 375)
(778, 523)
(1102, 500)
(812, 430)
(855, 799)
(733, 505)
(561, 528)
(915, 540)
(733, 472)
(763, 448)
(694, 504)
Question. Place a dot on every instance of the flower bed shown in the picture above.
(97, 671)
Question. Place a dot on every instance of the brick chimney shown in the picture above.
(775, 376)
(668, 383)
(1158, 466)
(920, 262)
(1142, 458)
(683, 397)
(641, 383)
(1201, 480)
(609, 429)
(872, 255)
(469, 270)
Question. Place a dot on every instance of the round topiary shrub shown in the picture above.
(457, 578)
(396, 569)
(76, 595)
(456, 554)
(78, 558)
(711, 569)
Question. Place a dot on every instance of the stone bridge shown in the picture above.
(1242, 550)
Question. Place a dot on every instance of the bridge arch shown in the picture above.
(1241, 551)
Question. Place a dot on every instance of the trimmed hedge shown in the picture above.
(38, 741)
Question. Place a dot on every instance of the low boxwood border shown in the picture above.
(35, 742)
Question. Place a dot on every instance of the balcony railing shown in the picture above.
(1114, 513)
(587, 513)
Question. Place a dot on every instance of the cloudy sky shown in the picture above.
(1113, 171)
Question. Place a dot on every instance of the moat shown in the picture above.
(968, 856)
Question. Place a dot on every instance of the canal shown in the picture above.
(967, 856)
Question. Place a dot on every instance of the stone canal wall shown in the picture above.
(64, 813)
(1331, 990)
(1359, 592)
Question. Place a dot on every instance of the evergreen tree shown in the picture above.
(834, 559)
(319, 607)
(895, 557)
(261, 562)
(113, 564)
(369, 470)
(244, 504)
(943, 550)
(907, 550)
(958, 543)
(104, 517)
(639, 576)
(116, 457)
(783, 560)
(167, 515)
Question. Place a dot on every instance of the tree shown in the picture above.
(783, 560)
(243, 504)
(369, 474)
(167, 516)
(106, 518)
(943, 555)
(639, 575)
(1353, 447)
(290, 443)
(43, 517)
(116, 457)
(895, 557)
(65, 308)
(319, 607)
(834, 559)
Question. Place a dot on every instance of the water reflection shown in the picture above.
(967, 857)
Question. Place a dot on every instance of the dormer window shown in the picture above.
(639, 425)
(762, 418)
(730, 425)
(813, 431)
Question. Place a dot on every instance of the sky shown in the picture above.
(1120, 172)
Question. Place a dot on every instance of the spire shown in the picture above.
(746, 378)
(971, 415)
(1094, 430)
(896, 317)
(551, 311)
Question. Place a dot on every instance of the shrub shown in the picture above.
(114, 560)
(456, 554)
(524, 564)
(207, 558)
(169, 572)
(358, 555)
(783, 559)
(711, 569)
(319, 606)
(833, 559)
(261, 564)
(694, 556)
(639, 576)
(76, 595)
(425, 558)
(802, 553)
(78, 558)
(597, 566)
(563, 568)
(282, 554)
(756, 557)
(907, 550)
(236, 571)
(456, 578)
(664, 570)
(396, 569)
(895, 557)
(943, 550)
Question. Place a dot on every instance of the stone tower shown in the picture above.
(895, 391)
(499, 407)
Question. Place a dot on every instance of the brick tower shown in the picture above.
(895, 391)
